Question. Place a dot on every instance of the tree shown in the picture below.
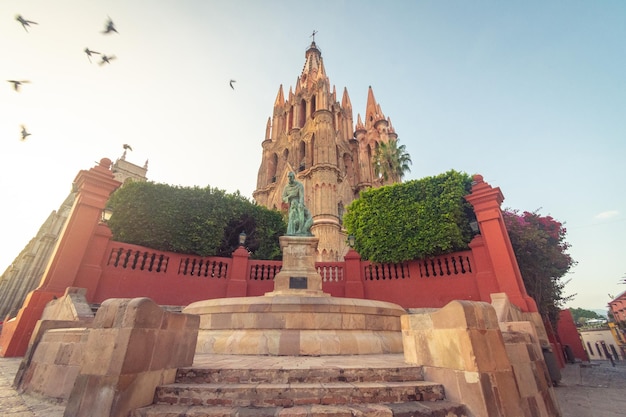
(412, 220)
(192, 220)
(541, 252)
(581, 316)
(391, 162)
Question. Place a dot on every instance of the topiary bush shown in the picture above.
(193, 220)
(412, 220)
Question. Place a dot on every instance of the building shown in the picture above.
(25, 272)
(312, 134)
(600, 344)
(617, 317)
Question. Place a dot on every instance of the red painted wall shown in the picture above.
(86, 257)
(569, 336)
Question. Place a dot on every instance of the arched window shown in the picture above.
(271, 168)
(290, 121)
(312, 151)
(302, 156)
(302, 113)
(347, 165)
(340, 211)
(313, 105)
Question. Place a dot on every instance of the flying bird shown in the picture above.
(110, 27)
(89, 52)
(24, 22)
(231, 84)
(127, 146)
(25, 134)
(16, 84)
(106, 59)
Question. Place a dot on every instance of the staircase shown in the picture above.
(302, 388)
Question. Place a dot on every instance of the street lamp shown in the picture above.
(106, 214)
(351, 241)
(242, 238)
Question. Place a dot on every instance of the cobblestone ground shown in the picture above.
(590, 390)
(595, 390)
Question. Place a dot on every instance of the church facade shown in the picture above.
(313, 134)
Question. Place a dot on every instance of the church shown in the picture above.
(313, 135)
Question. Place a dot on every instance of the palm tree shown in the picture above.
(391, 162)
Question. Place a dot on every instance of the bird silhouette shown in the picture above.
(106, 59)
(89, 52)
(16, 84)
(25, 134)
(110, 27)
(127, 146)
(24, 22)
(231, 84)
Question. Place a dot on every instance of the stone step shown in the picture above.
(264, 394)
(442, 408)
(290, 375)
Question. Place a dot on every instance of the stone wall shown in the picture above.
(495, 372)
(113, 367)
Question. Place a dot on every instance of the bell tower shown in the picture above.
(312, 134)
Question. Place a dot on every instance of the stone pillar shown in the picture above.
(486, 201)
(93, 186)
(238, 280)
(461, 347)
(133, 347)
(354, 279)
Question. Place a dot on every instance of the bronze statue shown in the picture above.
(300, 220)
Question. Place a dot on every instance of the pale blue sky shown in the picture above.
(530, 94)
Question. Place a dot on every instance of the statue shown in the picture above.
(300, 220)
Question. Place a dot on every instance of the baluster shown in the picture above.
(454, 266)
(144, 255)
(462, 266)
(158, 269)
(126, 257)
(469, 266)
(135, 259)
(440, 268)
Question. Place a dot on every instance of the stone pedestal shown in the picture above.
(297, 318)
(298, 275)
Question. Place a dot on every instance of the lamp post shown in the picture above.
(242, 238)
(107, 212)
(351, 241)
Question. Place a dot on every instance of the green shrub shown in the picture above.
(412, 220)
(192, 220)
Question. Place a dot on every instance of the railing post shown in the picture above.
(94, 186)
(238, 281)
(354, 280)
(486, 201)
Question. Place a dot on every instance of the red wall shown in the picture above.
(173, 279)
(569, 336)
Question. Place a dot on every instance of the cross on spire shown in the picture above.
(313, 35)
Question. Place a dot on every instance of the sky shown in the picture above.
(529, 94)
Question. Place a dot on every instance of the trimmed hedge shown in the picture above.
(193, 220)
(412, 220)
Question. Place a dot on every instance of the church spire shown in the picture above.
(280, 97)
(373, 113)
(313, 65)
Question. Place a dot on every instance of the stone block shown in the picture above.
(139, 351)
(110, 313)
(289, 342)
(142, 313)
(104, 351)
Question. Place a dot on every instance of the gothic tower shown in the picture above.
(312, 134)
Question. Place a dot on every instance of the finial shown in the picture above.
(313, 35)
